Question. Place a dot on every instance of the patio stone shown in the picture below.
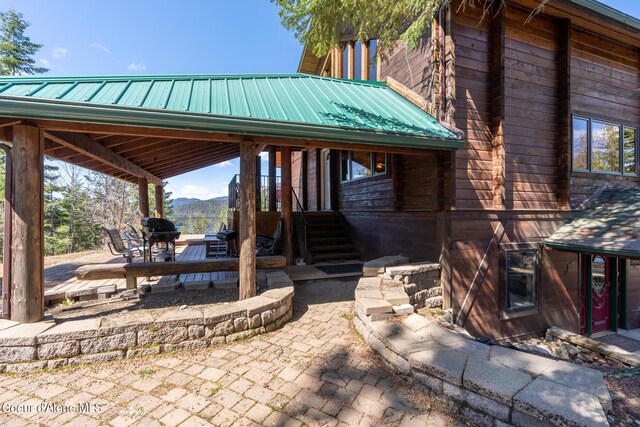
(17, 354)
(23, 334)
(525, 362)
(377, 266)
(415, 322)
(396, 297)
(69, 330)
(413, 268)
(197, 285)
(22, 368)
(108, 343)
(227, 283)
(369, 283)
(440, 362)
(559, 404)
(57, 350)
(6, 324)
(494, 380)
(165, 286)
(97, 357)
(369, 293)
(374, 306)
(221, 312)
(185, 317)
(580, 378)
(106, 290)
(279, 294)
(82, 294)
(403, 309)
(258, 304)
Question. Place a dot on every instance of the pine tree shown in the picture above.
(16, 49)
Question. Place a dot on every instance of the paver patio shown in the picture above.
(313, 371)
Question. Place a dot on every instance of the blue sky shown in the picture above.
(83, 37)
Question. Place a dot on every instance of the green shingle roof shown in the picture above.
(295, 105)
(609, 226)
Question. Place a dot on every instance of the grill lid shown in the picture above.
(155, 225)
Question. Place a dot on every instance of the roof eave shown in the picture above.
(572, 247)
(117, 115)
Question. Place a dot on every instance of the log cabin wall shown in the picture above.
(604, 80)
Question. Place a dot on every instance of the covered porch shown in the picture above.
(145, 129)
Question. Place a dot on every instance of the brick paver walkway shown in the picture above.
(314, 371)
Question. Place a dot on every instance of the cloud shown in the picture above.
(101, 47)
(264, 156)
(135, 67)
(59, 52)
(223, 164)
(43, 62)
(195, 192)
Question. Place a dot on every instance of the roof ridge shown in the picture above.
(159, 77)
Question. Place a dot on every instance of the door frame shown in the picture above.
(325, 179)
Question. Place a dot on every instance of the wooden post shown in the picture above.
(6, 265)
(365, 61)
(160, 201)
(27, 243)
(351, 60)
(258, 183)
(273, 205)
(247, 219)
(287, 204)
(304, 177)
(338, 61)
(143, 195)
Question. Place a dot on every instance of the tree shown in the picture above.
(16, 49)
(319, 24)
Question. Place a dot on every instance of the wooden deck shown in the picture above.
(184, 252)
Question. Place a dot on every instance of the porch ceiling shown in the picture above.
(609, 226)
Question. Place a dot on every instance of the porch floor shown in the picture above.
(60, 278)
(626, 340)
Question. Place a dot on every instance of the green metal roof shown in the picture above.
(293, 105)
(609, 226)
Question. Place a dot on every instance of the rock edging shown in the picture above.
(488, 385)
(36, 346)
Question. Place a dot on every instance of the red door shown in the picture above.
(600, 294)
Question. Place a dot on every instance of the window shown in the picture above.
(356, 165)
(604, 147)
(520, 280)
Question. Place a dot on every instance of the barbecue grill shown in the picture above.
(162, 234)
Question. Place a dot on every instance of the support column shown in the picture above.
(258, 183)
(27, 216)
(273, 204)
(287, 206)
(247, 219)
(143, 196)
(160, 201)
(304, 185)
(6, 265)
(351, 60)
(365, 61)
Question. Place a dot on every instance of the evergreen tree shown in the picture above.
(319, 24)
(16, 49)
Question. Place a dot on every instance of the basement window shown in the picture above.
(603, 147)
(355, 165)
(520, 264)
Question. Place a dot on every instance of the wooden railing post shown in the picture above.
(160, 201)
(287, 204)
(143, 195)
(247, 220)
(27, 216)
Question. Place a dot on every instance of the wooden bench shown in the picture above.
(132, 271)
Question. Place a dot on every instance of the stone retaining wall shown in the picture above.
(35, 346)
(487, 385)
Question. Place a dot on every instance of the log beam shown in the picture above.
(247, 218)
(273, 205)
(286, 204)
(365, 61)
(143, 196)
(27, 216)
(498, 110)
(159, 201)
(87, 146)
(351, 60)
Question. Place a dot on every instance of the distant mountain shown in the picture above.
(183, 201)
(199, 216)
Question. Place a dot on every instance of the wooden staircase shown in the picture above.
(327, 239)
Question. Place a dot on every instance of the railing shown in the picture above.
(300, 223)
(197, 224)
(263, 191)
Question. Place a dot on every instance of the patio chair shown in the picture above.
(269, 245)
(117, 244)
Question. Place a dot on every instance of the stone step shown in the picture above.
(378, 265)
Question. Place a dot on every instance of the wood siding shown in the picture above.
(633, 295)
(605, 78)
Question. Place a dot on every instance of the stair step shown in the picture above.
(322, 226)
(325, 241)
(325, 233)
(333, 248)
(335, 256)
